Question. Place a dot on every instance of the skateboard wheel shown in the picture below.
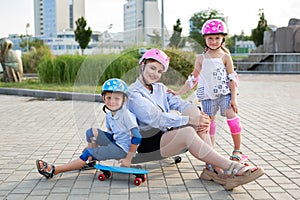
(177, 159)
(101, 177)
(137, 181)
(144, 177)
(107, 174)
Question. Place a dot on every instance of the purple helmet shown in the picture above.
(214, 26)
(157, 55)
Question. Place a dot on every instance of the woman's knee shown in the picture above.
(192, 111)
(187, 133)
(176, 140)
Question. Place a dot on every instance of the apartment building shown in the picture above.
(53, 16)
(142, 21)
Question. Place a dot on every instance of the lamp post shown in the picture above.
(162, 26)
(27, 30)
(109, 37)
(138, 38)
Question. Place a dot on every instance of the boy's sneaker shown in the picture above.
(89, 165)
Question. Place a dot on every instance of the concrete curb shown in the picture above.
(52, 94)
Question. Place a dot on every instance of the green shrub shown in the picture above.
(94, 70)
(66, 68)
(62, 69)
(119, 67)
(181, 65)
(45, 70)
(32, 59)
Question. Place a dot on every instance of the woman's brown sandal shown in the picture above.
(211, 174)
(241, 175)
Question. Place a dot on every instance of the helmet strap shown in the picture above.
(217, 47)
(213, 49)
(105, 107)
(142, 68)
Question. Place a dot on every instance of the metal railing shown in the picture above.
(267, 62)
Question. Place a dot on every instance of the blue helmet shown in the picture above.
(114, 85)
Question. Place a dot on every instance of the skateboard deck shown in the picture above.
(140, 174)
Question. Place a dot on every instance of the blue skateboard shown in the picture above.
(140, 174)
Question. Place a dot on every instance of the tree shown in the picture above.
(262, 26)
(82, 35)
(25, 40)
(197, 21)
(33, 43)
(176, 40)
(231, 40)
(230, 43)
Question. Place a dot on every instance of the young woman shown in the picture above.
(165, 134)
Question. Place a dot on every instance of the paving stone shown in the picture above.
(55, 131)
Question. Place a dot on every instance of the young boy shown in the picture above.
(119, 142)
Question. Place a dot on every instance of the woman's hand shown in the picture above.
(203, 124)
(172, 91)
(202, 130)
(204, 120)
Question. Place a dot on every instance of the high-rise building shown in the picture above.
(52, 16)
(142, 21)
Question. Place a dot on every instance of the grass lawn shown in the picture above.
(35, 84)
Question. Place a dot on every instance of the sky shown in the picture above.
(242, 15)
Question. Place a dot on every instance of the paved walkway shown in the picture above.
(33, 129)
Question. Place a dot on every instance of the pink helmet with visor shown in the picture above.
(157, 55)
(214, 26)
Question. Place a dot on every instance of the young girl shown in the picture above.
(119, 142)
(217, 83)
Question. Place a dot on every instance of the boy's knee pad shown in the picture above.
(86, 154)
(234, 125)
(212, 129)
(90, 136)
